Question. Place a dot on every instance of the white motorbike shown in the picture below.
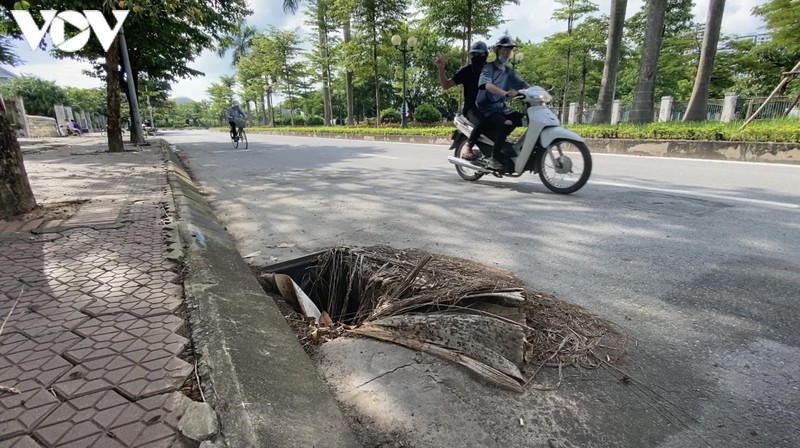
(560, 156)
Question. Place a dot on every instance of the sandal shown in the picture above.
(468, 155)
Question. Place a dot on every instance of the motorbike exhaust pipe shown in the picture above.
(466, 164)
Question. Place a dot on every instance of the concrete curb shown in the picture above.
(715, 150)
(259, 380)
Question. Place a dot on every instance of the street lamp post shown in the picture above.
(404, 48)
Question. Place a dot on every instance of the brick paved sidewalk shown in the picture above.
(93, 345)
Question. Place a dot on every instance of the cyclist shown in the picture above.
(236, 119)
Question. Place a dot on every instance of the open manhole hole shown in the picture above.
(480, 317)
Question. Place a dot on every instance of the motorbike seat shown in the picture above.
(462, 119)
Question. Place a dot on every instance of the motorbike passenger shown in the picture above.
(498, 82)
(235, 114)
(468, 77)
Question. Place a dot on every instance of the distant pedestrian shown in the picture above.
(75, 128)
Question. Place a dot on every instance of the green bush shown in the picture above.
(315, 120)
(426, 113)
(299, 120)
(390, 116)
(787, 130)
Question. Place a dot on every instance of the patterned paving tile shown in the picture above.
(138, 339)
(19, 442)
(24, 359)
(106, 419)
(20, 413)
(40, 321)
(142, 302)
(133, 379)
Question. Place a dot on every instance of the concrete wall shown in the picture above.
(39, 127)
(748, 151)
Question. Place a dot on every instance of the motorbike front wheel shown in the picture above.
(565, 166)
(464, 172)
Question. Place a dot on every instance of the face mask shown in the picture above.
(478, 60)
(501, 59)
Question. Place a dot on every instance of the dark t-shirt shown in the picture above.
(468, 77)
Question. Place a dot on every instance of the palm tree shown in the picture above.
(642, 111)
(239, 41)
(609, 83)
(697, 110)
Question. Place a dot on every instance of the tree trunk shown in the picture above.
(16, 196)
(642, 111)
(271, 108)
(348, 80)
(112, 92)
(608, 86)
(377, 80)
(469, 24)
(564, 99)
(326, 73)
(582, 97)
(697, 110)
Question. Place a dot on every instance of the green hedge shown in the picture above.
(759, 131)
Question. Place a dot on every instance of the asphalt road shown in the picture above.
(697, 261)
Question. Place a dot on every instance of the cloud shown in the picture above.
(530, 21)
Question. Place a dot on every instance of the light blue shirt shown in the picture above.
(505, 78)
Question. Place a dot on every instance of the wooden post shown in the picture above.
(786, 78)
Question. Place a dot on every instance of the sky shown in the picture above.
(524, 21)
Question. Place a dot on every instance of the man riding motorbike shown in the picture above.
(468, 76)
(497, 82)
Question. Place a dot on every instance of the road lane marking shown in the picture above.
(699, 194)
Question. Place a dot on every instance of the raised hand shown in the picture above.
(439, 60)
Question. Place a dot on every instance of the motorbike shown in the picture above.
(560, 156)
(149, 130)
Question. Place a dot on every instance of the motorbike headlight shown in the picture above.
(544, 96)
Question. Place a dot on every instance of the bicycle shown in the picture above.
(242, 136)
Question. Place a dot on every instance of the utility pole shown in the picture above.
(137, 125)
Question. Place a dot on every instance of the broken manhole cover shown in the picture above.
(480, 317)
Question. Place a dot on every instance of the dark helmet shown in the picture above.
(504, 41)
(479, 47)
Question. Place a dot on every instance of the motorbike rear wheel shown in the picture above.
(464, 172)
(565, 166)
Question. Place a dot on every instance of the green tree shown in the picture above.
(16, 195)
(260, 69)
(570, 11)
(782, 18)
(375, 20)
(239, 41)
(463, 19)
(222, 95)
(38, 94)
(608, 85)
(88, 100)
(665, 24)
(323, 55)
(697, 110)
(589, 42)
(163, 38)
